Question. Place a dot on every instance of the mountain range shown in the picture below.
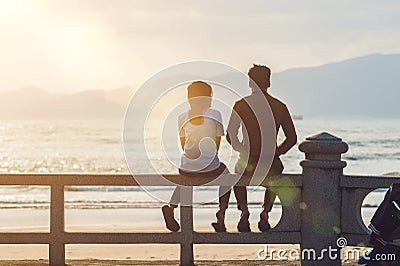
(358, 87)
(36, 103)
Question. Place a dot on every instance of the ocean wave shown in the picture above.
(372, 156)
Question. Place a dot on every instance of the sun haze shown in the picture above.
(100, 44)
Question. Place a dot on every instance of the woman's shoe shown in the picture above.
(169, 219)
(219, 228)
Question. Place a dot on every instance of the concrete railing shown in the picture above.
(318, 206)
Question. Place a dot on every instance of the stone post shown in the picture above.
(57, 224)
(321, 199)
(186, 210)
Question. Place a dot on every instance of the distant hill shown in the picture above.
(360, 87)
(34, 103)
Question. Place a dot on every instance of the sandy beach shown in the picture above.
(143, 254)
(137, 254)
(159, 263)
(153, 252)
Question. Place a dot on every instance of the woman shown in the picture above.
(200, 132)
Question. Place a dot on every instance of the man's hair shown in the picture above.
(261, 75)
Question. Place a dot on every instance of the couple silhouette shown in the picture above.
(200, 132)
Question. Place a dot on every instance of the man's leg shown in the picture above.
(269, 196)
(269, 199)
(241, 198)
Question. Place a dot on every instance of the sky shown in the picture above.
(70, 46)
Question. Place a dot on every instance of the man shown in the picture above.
(243, 115)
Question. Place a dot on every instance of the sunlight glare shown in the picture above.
(8, 8)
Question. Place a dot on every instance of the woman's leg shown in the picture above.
(224, 195)
(223, 198)
(175, 198)
(168, 211)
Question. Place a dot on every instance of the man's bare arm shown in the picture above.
(290, 134)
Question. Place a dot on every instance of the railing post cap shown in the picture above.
(324, 136)
(323, 143)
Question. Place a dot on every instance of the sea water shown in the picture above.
(95, 146)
